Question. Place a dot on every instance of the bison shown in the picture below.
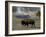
(26, 22)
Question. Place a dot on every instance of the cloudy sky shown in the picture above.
(21, 10)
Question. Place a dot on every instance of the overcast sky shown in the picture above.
(14, 8)
(21, 10)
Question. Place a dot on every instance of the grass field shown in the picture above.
(16, 24)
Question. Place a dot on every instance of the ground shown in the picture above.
(16, 24)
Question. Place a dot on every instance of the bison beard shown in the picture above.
(26, 23)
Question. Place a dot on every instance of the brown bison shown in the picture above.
(26, 22)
